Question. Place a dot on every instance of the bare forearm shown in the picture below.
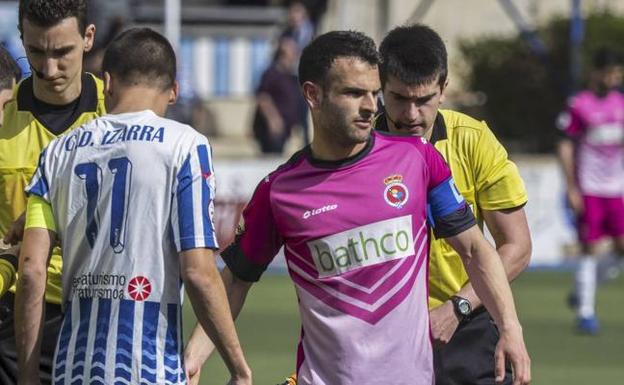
(487, 274)
(565, 150)
(199, 345)
(514, 259)
(213, 312)
(29, 315)
(489, 280)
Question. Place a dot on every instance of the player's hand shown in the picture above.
(511, 346)
(575, 199)
(16, 232)
(444, 322)
(193, 370)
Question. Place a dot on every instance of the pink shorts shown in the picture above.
(602, 217)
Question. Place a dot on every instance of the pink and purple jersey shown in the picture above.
(355, 235)
(597, 125)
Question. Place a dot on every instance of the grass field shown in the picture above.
(269, 329)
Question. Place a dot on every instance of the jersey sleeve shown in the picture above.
(39, 214)
(569, 122)
(257, 238)
(447, 210)
(39, 183)
(498, 182)
(192, 212)
(8, 269)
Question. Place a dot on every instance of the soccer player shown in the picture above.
(10, 73)
(414, 77)
(592, 157)
(351, 213)
(57, 98)
(130, 195)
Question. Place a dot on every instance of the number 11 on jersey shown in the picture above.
(91, 174)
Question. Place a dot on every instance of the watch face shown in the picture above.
(464, 307)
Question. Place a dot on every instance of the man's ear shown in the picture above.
(174, 92)
(89, 37)
(313, 94)
(108, 84)
(443, 91)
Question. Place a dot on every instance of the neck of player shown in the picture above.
(328, 149)
(137, 98)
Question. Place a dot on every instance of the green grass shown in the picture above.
(269, 330)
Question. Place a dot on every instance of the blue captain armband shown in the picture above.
(447, 210)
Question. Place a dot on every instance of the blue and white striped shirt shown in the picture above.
(128, 193)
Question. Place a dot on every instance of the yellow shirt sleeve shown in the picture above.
(39, 214)
(497, 179)
(7, 276)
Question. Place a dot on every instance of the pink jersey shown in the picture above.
(597, 124)
(355, 236)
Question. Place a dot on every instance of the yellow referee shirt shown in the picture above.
(29, 125)
(486, 178)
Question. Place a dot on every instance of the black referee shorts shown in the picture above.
(468, 359)
(8, 353)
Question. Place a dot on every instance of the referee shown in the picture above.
(58, 97)
(414, 77)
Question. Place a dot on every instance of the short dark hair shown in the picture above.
(47, 13)
(606, 57)
(9, 70)
(415, 54)
(141, 56)
(318, 56)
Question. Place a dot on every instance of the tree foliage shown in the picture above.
(524, 92)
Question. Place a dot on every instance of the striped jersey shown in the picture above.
(355, 237)
(128, 193)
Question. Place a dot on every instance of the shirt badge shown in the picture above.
(395, 193)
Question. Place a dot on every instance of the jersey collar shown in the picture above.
(320, 163)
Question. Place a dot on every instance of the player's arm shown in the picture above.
(487, 274)
(501, 197)
(453, 220)
(511, 235)
(257, 242)
(208, 297)
(510, 231)
(570, 126)
(35, 251)
(200, 346)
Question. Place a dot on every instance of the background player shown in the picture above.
(356, 252)
(131, 193)
(414, 77)
(592, 157)
(56, 98)
(10, 73)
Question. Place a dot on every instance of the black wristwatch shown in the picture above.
(462, 307)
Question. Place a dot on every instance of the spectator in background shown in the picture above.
(279, 99)
(301, 29)
(299, 26)
(592, 156)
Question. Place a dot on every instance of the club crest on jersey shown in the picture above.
(395, 193)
